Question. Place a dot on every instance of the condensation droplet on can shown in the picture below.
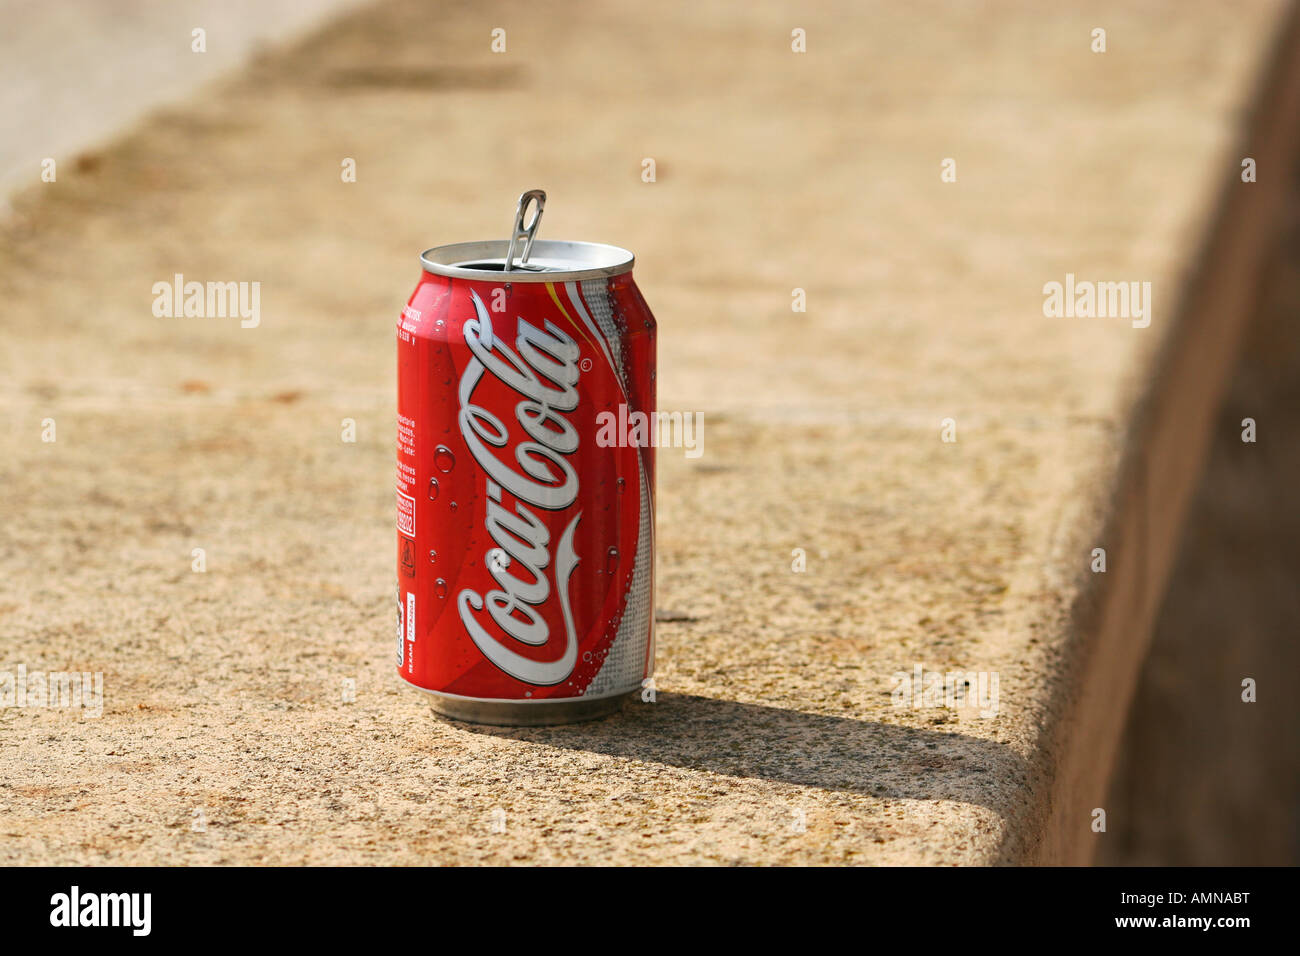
(433, 556)
(440, 588)
(444, 459)
(433, 489)
(612, 563)
(453, 506)
(621, 484)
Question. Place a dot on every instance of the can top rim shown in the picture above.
(551, 260)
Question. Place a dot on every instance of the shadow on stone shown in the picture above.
(790, 747)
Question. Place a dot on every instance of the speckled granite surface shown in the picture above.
(774, 738)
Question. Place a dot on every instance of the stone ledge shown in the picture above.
(775, 738)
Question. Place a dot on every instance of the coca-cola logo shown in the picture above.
(543, 370)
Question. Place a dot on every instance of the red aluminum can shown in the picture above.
(525, 536)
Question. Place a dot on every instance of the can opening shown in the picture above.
(501, 267)
(552, 260)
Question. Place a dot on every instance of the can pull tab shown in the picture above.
(526, 233)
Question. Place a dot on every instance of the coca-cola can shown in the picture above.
(525, 523)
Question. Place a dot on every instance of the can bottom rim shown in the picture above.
(523, 713)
